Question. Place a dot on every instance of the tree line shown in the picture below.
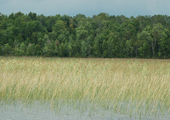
(102, 36)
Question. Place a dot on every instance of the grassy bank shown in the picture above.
(120, 85)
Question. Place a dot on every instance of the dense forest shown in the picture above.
(101, 36)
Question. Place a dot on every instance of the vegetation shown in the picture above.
(101, 36)
(120, 85)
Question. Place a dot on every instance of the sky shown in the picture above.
(87, 7)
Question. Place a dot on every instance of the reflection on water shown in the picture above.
(38, 111)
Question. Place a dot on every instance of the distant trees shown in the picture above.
(80, 36)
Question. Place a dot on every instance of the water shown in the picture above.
(19, 111)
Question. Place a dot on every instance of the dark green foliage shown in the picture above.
(7, 49)
(38, 50)
(80, 36)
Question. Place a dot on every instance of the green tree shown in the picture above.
(48, 48)
(81, 33)
(143, 49)
(146, 37)
(56, 48)
(38, 50)
(32, 16)
(3, 37)
(34, 38)
(76, 48)
(111, 46)
(84, 47)
(129, 47)
(7, 49)
(1, 50)
(96, 48)
(59, 26)
(22, 49)
(158, 34)
(105, 49)
(30, 51)
(19, 38)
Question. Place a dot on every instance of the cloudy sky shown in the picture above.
(86, 7)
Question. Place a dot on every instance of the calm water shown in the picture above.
(37, 112)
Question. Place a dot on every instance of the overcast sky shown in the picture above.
(87, 7)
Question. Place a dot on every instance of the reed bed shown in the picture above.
(126, 86)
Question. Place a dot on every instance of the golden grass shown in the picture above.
(117, 84)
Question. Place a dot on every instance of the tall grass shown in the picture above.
(131, 86)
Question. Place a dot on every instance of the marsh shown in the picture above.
(129, 87)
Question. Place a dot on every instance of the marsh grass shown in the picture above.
(127, 86)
